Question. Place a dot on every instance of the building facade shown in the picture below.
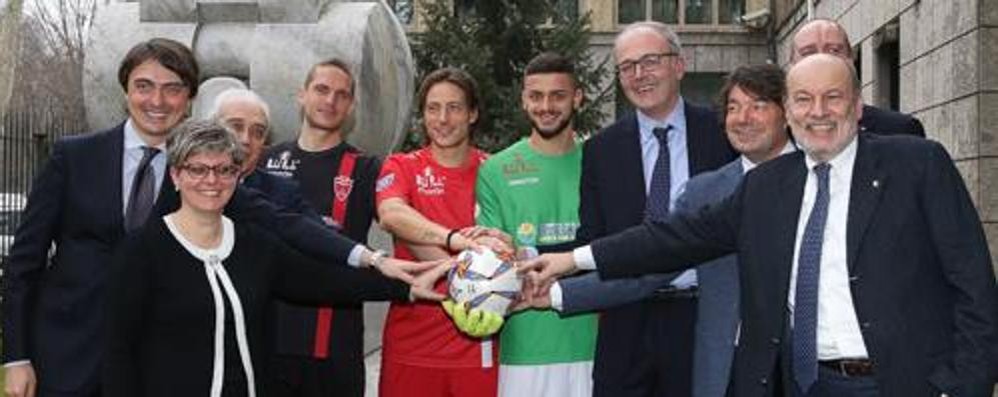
(934, 59)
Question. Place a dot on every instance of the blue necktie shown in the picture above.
(657, 207)
(805, 359)
(143, 192)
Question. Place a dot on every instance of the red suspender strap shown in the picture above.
(342, 186)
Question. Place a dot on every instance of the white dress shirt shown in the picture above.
(838, 328)
(679, 164)
(131, 156)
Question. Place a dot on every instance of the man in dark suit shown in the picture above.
(644, 347)
(756, 128)
(754, 122)
(864, 269)
(825, 36)
(94, 190)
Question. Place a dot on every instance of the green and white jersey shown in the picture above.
(535, 198)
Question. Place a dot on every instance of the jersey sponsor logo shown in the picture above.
(526, 234)
(342, 185)
(385, 182)
(530, 180)
(518, 166)
(553, 233)
(283, 163)
(429, 184)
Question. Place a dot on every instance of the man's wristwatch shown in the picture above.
(376, 259)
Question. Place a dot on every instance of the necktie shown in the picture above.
(805, 354)
(143, 191)
(657, 207)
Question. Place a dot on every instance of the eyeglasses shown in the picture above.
(222, 171)
(648, 63)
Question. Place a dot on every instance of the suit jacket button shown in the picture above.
(865, 324)
(775, 341)
(763, 381)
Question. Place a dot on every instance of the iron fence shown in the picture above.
(26, 138)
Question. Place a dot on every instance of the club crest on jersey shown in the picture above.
(429, 184)
(342, 185)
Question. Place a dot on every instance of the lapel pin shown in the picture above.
(876, 184)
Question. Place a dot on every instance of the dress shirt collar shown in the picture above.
(842, 161)
(677, 119)
(134, 141)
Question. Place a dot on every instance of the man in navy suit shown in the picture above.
(863, 266)
(94, 190)
(825, 36)
(79, 202)
(645, 339)
(755, 125)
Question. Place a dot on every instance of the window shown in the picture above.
(567, 8)
(682, 12)
(730, 10)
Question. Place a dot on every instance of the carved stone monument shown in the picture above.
(268, 46)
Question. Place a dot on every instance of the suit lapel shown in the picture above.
(733, 173)
(868, 181)
(787, 217)
(115, 148)
(631, 169)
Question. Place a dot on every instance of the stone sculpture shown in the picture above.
(268, 46)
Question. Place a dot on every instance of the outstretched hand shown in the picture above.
(533, 295)
(491, 238)
(404, 270)
(422, 285)
(20, 381)
(545, 268)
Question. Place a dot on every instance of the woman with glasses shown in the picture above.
(191, 291)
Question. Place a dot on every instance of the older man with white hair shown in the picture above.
(248, 116)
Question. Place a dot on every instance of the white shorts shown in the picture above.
(551, 380)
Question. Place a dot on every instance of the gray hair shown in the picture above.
(202, 136)
(239, 94)
(662, 29)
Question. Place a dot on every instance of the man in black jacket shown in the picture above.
(824, 36)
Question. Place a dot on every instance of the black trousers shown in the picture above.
(298, 376)
(665, 367)
(831, 383)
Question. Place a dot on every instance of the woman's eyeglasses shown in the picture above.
(221, 171)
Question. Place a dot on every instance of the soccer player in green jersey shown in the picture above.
(531, 192)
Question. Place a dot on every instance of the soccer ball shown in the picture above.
(482, 280)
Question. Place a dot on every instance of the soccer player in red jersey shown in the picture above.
(424, 199)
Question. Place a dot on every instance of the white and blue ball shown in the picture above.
(482, 280)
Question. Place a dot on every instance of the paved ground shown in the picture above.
(374, 320)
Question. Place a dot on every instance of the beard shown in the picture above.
(549, 133)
